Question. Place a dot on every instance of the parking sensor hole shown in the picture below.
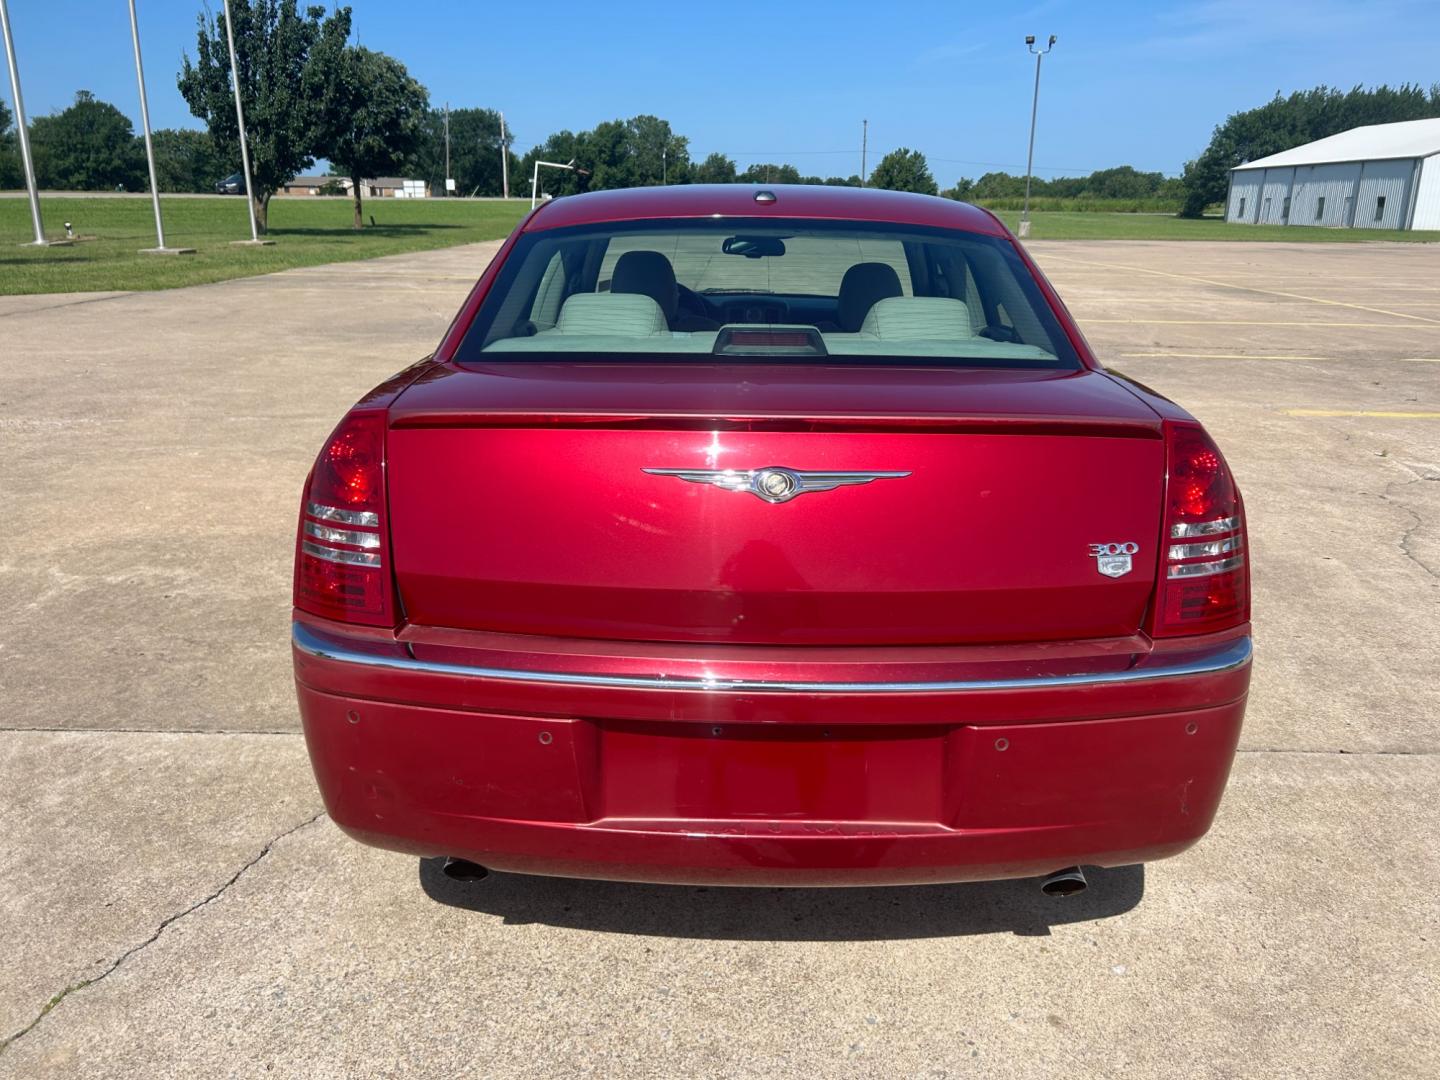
(1002, 744)
(546, 738)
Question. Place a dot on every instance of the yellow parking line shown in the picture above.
(1363, 412)
(1249, 322)
(1242, 288)
(1226, 356)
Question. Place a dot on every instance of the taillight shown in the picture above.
(1204, 579)
(342, 555)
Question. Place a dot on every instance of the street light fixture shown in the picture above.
(535, 177)
(1039, 55)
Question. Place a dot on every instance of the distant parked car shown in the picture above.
(234, 184)
(776, 536)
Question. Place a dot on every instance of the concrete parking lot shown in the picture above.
(173, 902)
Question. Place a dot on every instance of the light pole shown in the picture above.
(664, 166)
(504, 160)
(159, 248)
(535, 179)
(20, 128)
(244, 148)
(1034, 107)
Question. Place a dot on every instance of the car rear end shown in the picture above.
(630, 610)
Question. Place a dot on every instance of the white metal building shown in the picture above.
(1385, 176)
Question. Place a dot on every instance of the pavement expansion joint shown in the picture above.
(73, 988)
(144, 731)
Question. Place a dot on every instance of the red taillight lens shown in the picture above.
(342, 555)
(1204, 578)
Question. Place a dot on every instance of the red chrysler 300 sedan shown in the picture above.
(784, 536)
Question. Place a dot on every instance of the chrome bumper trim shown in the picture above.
(1227, 657)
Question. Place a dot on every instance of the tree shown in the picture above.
(961, 191)
(637, 152)
(560, 147)
(10, 171)
(768, 173)
(89, 146)
(288, 66)
(715, 169)
(1282, 123)
(373, 116)
(474, 152)
(904, 170)
(186, 160)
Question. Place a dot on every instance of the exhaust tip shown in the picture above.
(463, 870)
(1065, 882)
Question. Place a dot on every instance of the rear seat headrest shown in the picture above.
(612, 315)
(650, 274)
(864, 284)
(908, 318)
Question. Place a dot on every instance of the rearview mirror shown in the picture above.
(753, 247)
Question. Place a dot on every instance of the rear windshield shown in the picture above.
(766, 290)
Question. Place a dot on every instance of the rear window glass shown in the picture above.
(766, 289)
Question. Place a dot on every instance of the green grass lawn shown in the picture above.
(309, 231)
(306, 232)
(1097, 225)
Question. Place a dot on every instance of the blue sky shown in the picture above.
(1128, 83)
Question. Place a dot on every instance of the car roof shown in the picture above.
(739, 200)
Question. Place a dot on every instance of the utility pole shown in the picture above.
(447, 149)
(504, 159)
(664, 166)
(159, 248)
(1034, 107)
(244, 148)
(23, 131)
(864, 145)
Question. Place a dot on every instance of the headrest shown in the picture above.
(863, 284)
(650, 274)
(908, 318)
(612, 315)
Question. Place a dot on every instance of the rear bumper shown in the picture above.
(776, 774)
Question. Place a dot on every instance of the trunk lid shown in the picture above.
(521, 502)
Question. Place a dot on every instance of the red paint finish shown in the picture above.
(521, 534)
(802, 803)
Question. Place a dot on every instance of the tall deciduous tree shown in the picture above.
(186, 160)
(287, 61)
(1285, 122)
(715, 169)
(90, 146)
(904, 170)
(373, 118)
(767, 173)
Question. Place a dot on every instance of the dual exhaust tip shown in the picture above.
(1065, 882)
(463, 870)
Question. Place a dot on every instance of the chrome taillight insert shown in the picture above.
(1182, 558)
(340, 545)
(346, 517)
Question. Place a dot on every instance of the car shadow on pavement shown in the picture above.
(768, 914)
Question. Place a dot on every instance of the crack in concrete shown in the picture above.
(74, 988)
(1419, 522)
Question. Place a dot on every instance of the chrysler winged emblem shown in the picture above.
(775, 483)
